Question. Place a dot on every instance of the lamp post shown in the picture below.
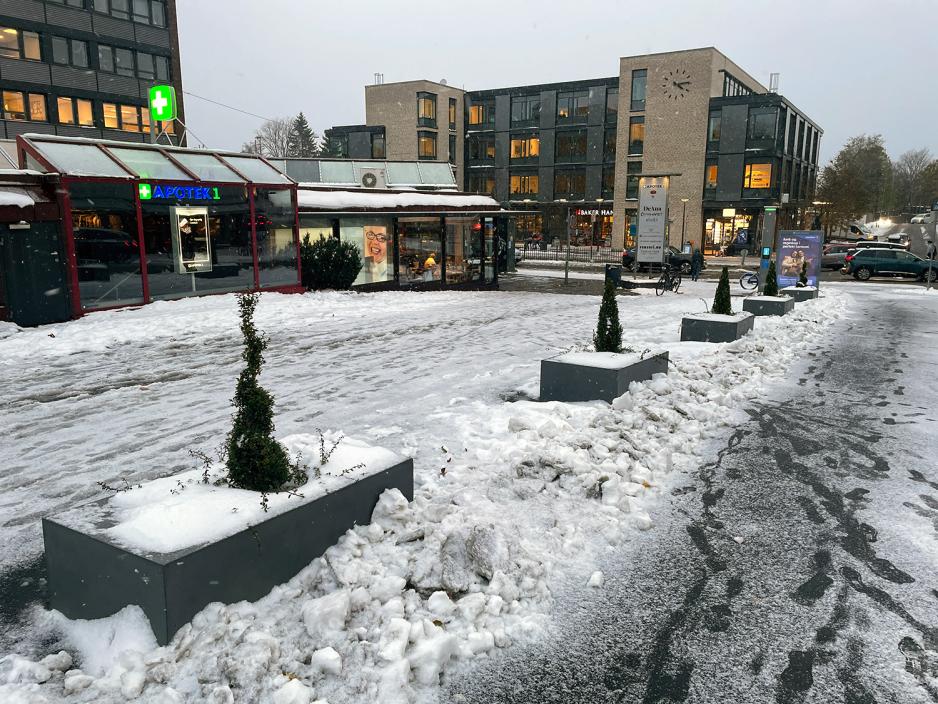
(566, 263)
(597, 232)
(683, 220)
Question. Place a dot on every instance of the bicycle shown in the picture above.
(749, 281)
(670, 280)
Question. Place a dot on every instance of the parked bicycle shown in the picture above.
(670, 280)
(749, 281)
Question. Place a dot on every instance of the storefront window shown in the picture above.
(195, 248)
(419, 250)
(276, 244)
(463, 250)
(374, 237)
(726, 232)
(315, 228)
(107, 250)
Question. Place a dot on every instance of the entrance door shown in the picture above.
(33, 274)
(489, 249)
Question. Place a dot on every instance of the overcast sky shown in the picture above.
(854, 66)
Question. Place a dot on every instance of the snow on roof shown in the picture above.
(343, 200)
(18, 197)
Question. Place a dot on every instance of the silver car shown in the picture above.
(834, 255)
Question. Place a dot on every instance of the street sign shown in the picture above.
(652, 218)
(162, 103)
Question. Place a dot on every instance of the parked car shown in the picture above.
(876, 244)
(868, 262)
(834, 254)
(924, 218)
(676, 258)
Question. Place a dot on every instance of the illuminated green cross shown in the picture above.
(162, 103)
(145, 191)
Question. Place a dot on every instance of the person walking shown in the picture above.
(696, 263)
(932, 251)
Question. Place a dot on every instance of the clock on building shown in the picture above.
(676, 84)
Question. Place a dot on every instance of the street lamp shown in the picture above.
(566, 263)
(683, 220)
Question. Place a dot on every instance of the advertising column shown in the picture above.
(797, 248)
(652, 219)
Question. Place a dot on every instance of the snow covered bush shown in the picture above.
(608, 336)
(771, 281)
(721, 301)
(256, 460)
(329, 263)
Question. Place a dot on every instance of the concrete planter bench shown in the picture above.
(800, 293)
(769, 305)
(596, 376)
(93, 574)
(713, 327)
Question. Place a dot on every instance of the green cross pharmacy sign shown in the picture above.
(162, 103)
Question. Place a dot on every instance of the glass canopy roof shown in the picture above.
(86, 157)
(345, 172)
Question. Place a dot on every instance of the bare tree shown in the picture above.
(910, 176)
(271, 139)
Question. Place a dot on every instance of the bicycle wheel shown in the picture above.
(662, 285)
(676, 282)
(749, 281)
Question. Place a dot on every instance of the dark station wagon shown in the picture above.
(864, 264)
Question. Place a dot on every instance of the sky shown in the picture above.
(853, 66)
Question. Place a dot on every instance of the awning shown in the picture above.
(337, 201)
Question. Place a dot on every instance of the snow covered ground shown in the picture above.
(513, 497)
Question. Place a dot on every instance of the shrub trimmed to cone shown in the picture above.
(803, 279)
(721, 302)
(329, 263)
(608, 336)
(256, 461)
(771, 281)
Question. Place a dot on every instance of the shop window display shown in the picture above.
(374, 238)
(276, 244)
(419, 250)
(463, 250)
(107, 249)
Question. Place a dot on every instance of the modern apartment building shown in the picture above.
(573, 152)
(83, 68)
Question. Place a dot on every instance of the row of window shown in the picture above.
(426, 146)
(18, 105)
(25, 45)
(766, 130)
(568, 183)
(573, 107)
(569, 145)
(426, 110)
(797, 181)
(151, 12)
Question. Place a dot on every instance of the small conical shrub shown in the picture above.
(329, 263)
(803, 279)
(771, 281)
(721, 302)
(256, 461)
(608, 336)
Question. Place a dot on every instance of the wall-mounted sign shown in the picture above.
(729, 212)
(150, 191)
(592, 212)
(162, 103)
(192, 250)
(652, 218)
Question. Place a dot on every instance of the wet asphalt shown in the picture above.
(799, 566)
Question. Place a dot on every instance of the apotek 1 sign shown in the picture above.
(162, 103)
(151, 191)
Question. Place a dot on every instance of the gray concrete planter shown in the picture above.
(596, 376)
(800, 293)
(769, 305)
(712, 327)
(92, 576)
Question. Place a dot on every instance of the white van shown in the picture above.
(924, 218)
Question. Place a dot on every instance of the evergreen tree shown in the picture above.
(721, 302)
(256, 461)
(771, 281)
(303, 142)
(608, 336)
(803, 279)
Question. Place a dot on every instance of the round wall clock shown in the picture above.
(676, 83)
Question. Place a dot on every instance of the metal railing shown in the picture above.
(583, 254)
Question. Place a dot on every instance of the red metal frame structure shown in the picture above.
(31, 145)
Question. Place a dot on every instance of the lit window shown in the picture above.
(31, 48)
(426, 145)
(14, 105)
(573, 107)
(712, 171)
(145, 120)
(37, 108)
(524, 184)
(713, 129)
(482, 114)
(110, 116)
(452, 113)
(9, 43)
(525, 147)
(426, 109)
(169, 127)
(130, 118)
(637, 135)
(66, 111)
(85, 114)
(758, 176)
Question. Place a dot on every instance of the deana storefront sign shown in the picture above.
(165, 191)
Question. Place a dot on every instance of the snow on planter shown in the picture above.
(592, 376)
(176, 544)
(769, 305)
(800, 293)
(715, 327)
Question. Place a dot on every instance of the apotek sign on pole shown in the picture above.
(652, 218)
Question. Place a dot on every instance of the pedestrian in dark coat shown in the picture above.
(696, 264)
